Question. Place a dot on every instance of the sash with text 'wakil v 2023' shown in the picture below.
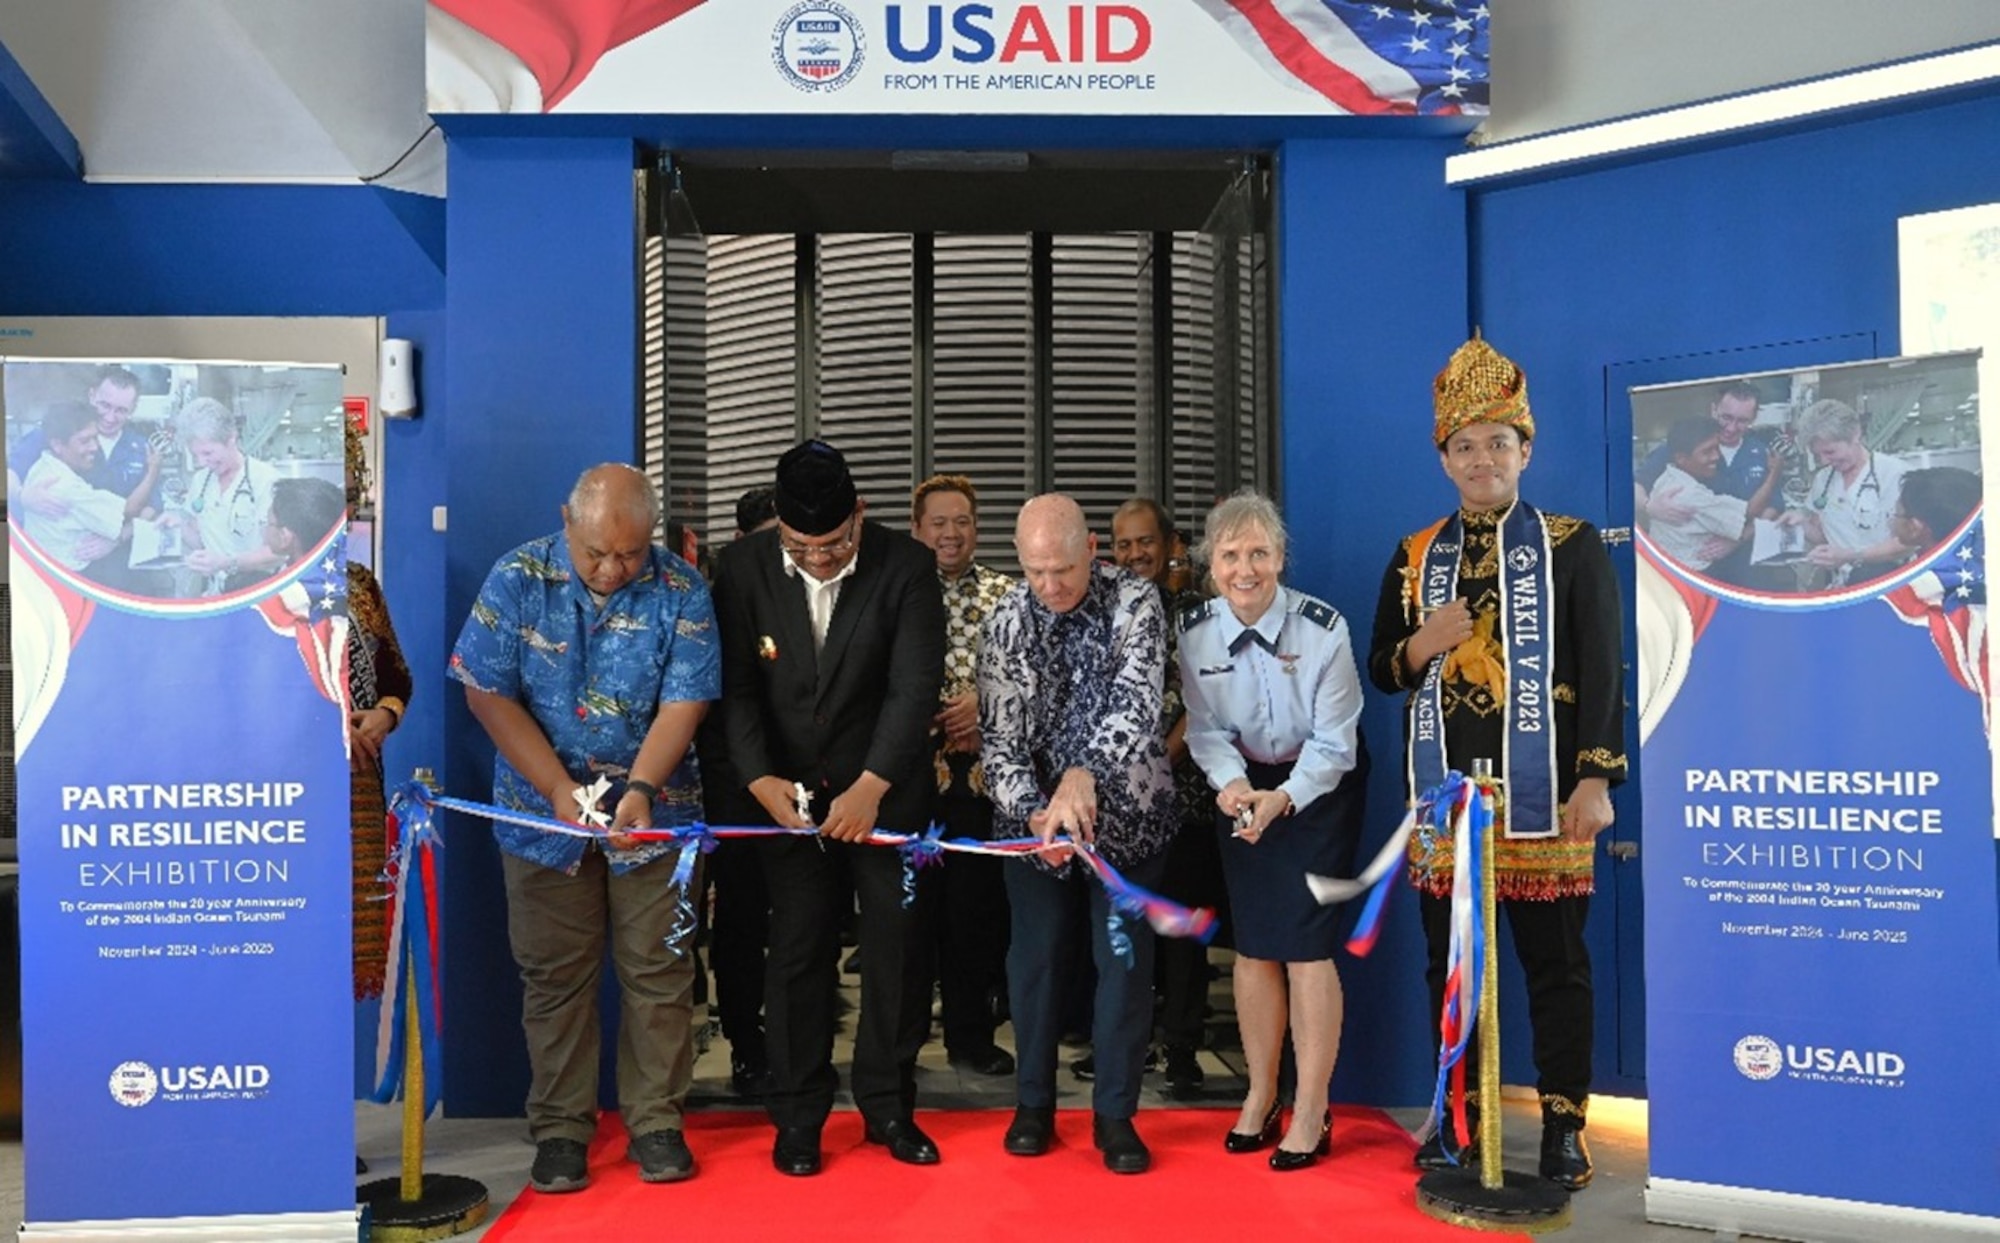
(1527, 644)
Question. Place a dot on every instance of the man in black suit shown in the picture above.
(833, 650)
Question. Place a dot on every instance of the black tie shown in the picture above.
(1246, 638)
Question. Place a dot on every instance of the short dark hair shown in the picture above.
(1741, 390)
(755, 508)
(66, 418)
(1940, 497)
(307, 507)
(1688, 434)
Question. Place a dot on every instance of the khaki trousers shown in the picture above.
(559, 927)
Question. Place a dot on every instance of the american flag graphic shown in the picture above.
(1412, 57)
(1949, 601)
(311, 610)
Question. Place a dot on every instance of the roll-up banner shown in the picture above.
(1822, 953)
(177, 584)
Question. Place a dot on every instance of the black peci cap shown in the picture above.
(815, 492)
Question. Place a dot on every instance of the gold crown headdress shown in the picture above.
(1480, 385)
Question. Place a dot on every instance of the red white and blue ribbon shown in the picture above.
(412, 978)
(919, 850)
(1465, 962)
(1376, 880)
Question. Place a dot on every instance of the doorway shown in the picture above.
(1096, 325)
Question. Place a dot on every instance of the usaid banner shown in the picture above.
(807, 57)
(1822, 958)
(178, 592)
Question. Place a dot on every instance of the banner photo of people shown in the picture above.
(178, 592)
(1821, 939)
(802, 57)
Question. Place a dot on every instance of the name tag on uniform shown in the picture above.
(1214, 671)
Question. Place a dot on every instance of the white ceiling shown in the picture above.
(310, 91)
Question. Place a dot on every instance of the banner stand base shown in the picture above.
(1522, 1204)
(450, 1205)
(332, 1227)
(1785, 1215)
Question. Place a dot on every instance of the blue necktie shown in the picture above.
(1248, 636)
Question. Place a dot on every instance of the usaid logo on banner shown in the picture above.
(817, 46)
(136, 1083)
(1761, 1058)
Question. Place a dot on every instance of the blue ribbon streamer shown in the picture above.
(416, 982)
(1114, 932)
(920, 853)
(698, 842)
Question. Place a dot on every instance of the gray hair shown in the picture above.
(205, 418)
(615, 485)
(1234, 514)
(1828, 420)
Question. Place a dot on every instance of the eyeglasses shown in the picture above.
(808, 552)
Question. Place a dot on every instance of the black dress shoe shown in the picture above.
(905, 1141)
(751, 1077)
(1565, 1157)
(796, 1151)
(1284, 1160)
(1184, 1075)
(1266, 1135)
(1032, 1131)
(1437, 1152)
(991, 1060)
(1124, 1152)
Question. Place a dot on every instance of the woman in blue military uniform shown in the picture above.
(1273, 711)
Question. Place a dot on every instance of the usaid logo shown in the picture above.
(134, 1084)
(817, 46)
(1759, 1057)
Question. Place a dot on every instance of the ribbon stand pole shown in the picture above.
(417, 1206)
(1494, 1198)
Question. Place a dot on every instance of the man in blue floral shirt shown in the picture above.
(592, 653)
(1070, 673)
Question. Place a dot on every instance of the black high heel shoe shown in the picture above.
(1285, 1161)
(1266, 1135)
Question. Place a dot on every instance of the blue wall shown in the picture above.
(74, 249)
(544, 373)
(1371, 260)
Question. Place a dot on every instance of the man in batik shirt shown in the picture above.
(1070, 671)
(972, 927)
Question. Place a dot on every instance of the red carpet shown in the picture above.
(1195, 1192)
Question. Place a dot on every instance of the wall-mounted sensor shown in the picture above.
(397, 379)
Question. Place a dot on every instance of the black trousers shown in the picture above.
(1548, 941)
(972, 928)
(1193, 877)
(804, 877)
(1049, 943)
(739, 929)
